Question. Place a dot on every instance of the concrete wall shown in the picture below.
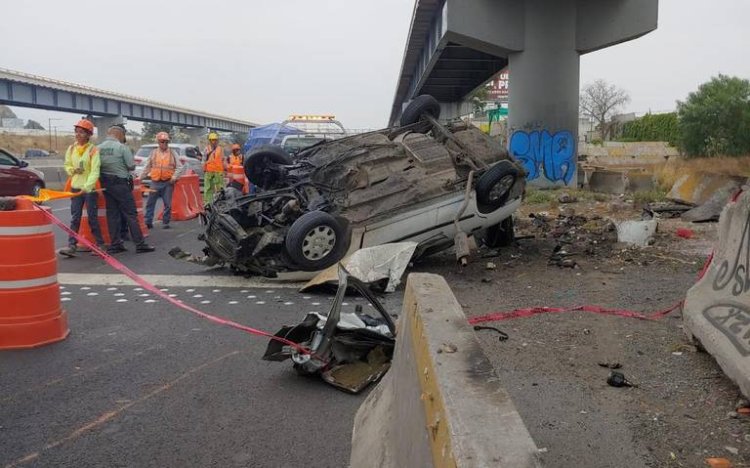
(441, 403)
(627, 154)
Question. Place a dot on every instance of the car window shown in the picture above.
(144, 151)
(192, 153)
(7, 160)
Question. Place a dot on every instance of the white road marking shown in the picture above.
(174, 281)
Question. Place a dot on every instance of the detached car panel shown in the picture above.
(423, 182)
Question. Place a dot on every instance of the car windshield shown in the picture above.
(144, 151)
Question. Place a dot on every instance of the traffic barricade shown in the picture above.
(31, 313)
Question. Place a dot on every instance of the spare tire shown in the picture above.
(423, 104)
(257, 162)
(316, 240)
(493, 188)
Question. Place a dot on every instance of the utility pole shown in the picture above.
(49, 129)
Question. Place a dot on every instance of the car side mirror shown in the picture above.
(23, 163)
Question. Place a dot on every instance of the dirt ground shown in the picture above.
(682, 410)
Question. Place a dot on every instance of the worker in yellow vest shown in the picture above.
(163, 168)
(213, 169)
(82, 166)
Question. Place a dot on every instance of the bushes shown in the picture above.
(653, 127)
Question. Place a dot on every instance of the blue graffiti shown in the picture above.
(538, 151)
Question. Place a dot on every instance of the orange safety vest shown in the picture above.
(162, 165)
(235, 160)
(215, 162)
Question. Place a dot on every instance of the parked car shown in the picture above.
(407, 183)
(36, 153)
(188, 154)
(16, 178)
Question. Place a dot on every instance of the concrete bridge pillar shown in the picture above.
(544, 89)
(196, 134)
(103, 123)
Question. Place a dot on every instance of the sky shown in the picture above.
(261, 60)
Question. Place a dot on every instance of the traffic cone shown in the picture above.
(31, 313)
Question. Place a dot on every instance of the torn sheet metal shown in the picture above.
(348, 350)
(372, 264)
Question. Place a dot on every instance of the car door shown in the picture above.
(194, 160)
(10, 178)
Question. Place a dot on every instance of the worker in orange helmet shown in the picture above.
(82, 166)
(236, 158)
(214, 166)
(164, 168)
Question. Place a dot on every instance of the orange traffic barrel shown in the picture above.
(185, 198)
(138, 196)
(31, 314)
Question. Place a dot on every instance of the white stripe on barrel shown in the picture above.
(25, 230)
(30, 283)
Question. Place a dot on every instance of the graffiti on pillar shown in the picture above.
(544, 154)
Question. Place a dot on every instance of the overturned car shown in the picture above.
(421, 181)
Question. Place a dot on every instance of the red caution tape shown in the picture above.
(520, 313)
(114, 263)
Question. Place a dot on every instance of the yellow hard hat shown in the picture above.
(213, 136)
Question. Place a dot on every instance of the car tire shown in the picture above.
(316, 240)
(493, 187)
(256, 160)
(424, 104)
(36, 188)
(501, 234)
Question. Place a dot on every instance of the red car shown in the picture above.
(16, 178)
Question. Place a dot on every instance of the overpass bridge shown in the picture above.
(456, 46)
(106, 107)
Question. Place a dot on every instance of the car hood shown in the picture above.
(36, 172)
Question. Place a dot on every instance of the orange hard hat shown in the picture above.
(235, 147)
(162, 136)
(86, 125)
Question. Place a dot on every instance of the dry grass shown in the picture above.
(18, 144)
(668, 173)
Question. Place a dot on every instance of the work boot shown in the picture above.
(115, 249)
(144, 247)
(69, 251)
(166, 226)
(149, 225)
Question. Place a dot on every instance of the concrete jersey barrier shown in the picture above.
(717, 307)
(441, 403)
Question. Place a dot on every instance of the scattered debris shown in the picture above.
(718, 463)
(586, 331)
(732, 450)
(503, 336)
(348, 350)
(448, 348)
(685, 233)
(742, 403)
(610, 365)
(743, 411)
(617, 379)
(486, 280)
(491, 266)
(565, 197)
(639, 233)
(665, 210)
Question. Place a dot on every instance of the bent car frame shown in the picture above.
(422, 181)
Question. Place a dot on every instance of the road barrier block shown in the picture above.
(717, 307)
(441, 403)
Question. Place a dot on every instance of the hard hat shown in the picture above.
(236, 147)
(86, 125)
(162, 136)
(213, 136)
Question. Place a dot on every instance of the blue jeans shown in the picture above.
(161, 189)
(76, 211)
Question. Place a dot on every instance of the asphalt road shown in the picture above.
(142, 383)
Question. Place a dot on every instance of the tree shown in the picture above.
(652, 127)
(151, 129)
(33, 125)
(601, 101)
(715, 120)
(239, 138)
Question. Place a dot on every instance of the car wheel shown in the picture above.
(424, 104)
(316, 240)
(501, 234)
(257, 160)
(493, 187)
(37, 187)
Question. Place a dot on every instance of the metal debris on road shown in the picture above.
(503, 336)
(617, 379)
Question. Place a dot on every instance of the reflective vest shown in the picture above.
(162, 165)
(215, 162)
(235, 160)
